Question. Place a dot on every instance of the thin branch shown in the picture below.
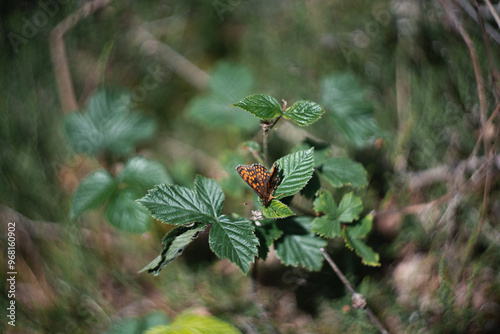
(59, 57)
(442, 173)
(475, 63)
(493, 12)
(174, 60)
(472, 13)
(373, 318)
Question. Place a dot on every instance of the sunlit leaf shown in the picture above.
(261, 105)
(276, 209)
(190, 323)
(297, 169)
(304, 112)
(234, 239)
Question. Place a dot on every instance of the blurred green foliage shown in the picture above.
(418, 82)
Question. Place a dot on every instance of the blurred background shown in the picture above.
(401, 97)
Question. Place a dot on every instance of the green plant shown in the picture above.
(108, 130)
(295, 237)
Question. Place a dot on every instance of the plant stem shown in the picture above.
(349, 287)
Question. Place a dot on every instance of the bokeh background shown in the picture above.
(440, 262)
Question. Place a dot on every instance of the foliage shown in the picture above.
(234, 237)
(107, 125)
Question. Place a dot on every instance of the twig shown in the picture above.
(58, 53)
(174, 60)
(475, 64)
(493, 12)
(472, 13)
(371, 315)
(442, 173)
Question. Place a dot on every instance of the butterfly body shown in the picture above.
(262, 181)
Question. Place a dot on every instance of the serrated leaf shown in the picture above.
(348, 108)
(370, 258)
(143, 173)
(362, 228)
(107, 125)
(127, 215)
(210, 193)
(327, 227)
(298, 245)
(189, 323)
(174, 244)
(297, 169)
(234, 239)
(304, 112)
(301, 249)
(340, 171)
(349, 208)
(92, 192)
(180, 205)
(261, 105)
(276, 209)
(325, 203)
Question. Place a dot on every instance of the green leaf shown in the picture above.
(234, 239)
(143, 173)
(370, 258)
(362, 228)
(297, 169)
(189, 323)
(276, 209)
(327, 226)
(304, 112)
(325, 203)
(267, 233)
(298, 246)
(174, 244)
(349, 208)
(261, 105)
(179, 205)
(107, 125)
(92, 192)
(125, 214)
(348, 108)
(301, 249)
(210, 194)
(340, 171)
(228, 82)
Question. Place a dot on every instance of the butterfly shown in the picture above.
(263, 182)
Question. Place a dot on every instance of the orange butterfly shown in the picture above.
(264, 183)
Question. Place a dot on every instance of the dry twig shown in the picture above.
(371, 315)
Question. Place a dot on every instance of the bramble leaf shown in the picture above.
(234, 239)
(260, 105)
(304, 112)
(92, 192)
(340, 171)
(297, 169)
(174, 244)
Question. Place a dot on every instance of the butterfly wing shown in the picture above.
(271, 184)
(255, 176)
